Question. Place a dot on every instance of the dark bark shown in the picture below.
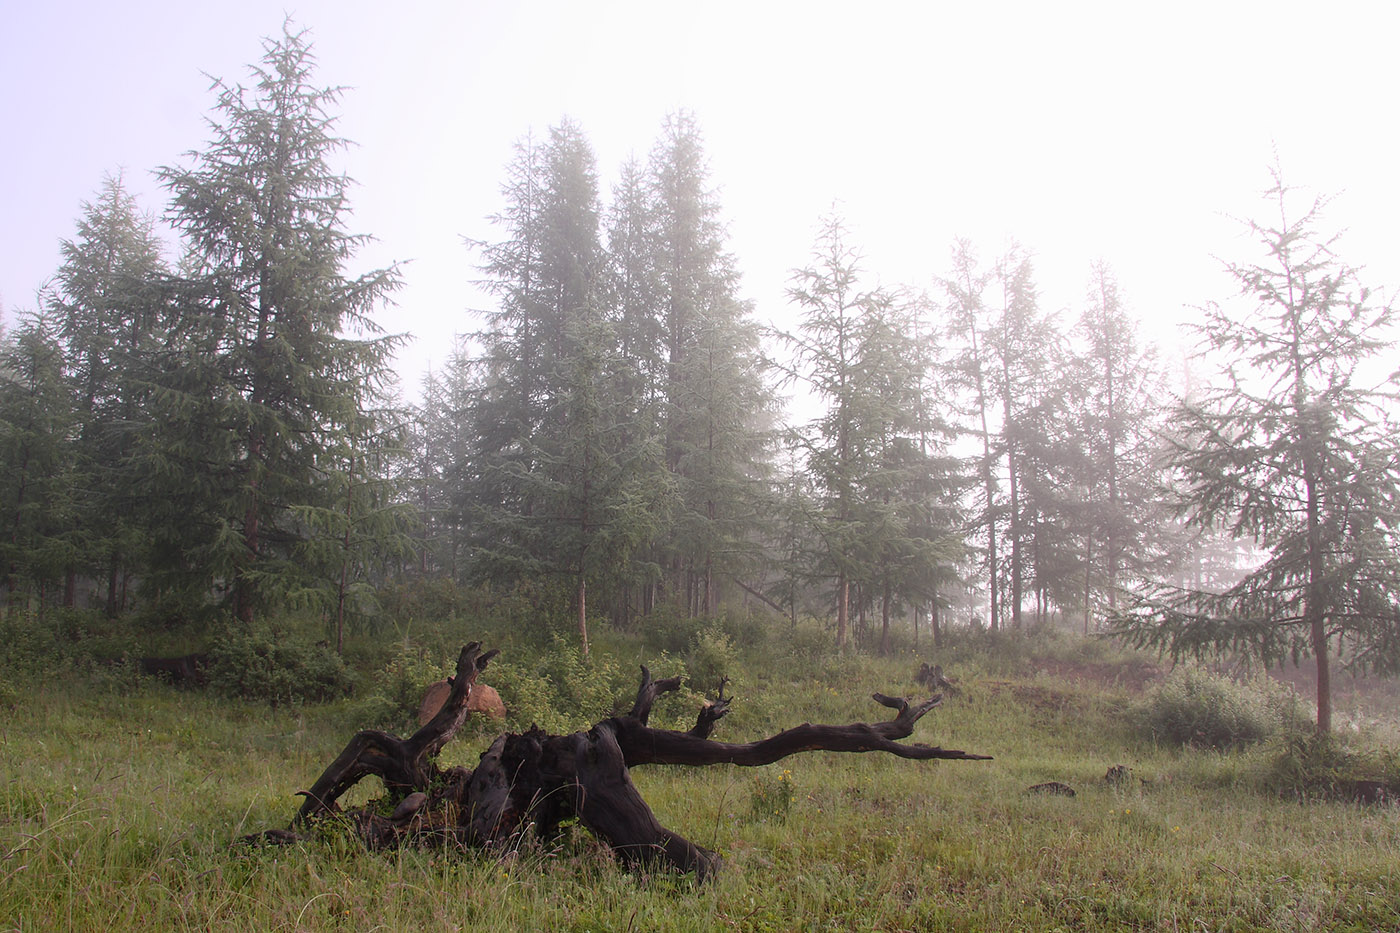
(533, 781)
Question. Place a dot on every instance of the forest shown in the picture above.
(1146, 593)
(204, 440)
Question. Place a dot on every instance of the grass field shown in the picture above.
(121, 805)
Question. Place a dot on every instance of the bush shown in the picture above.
(1195, 707)
(259, 664)
(711, 658)
(808, 642)
(61, 639)
(397, 691)
(556, 688)
(1308, 766)
(9, 694)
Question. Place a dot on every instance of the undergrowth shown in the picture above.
(1198, 707)
(122, 799)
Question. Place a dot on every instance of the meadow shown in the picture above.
(123, 800)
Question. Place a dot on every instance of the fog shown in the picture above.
(1084, 131)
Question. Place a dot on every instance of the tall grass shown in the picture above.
(121, 807)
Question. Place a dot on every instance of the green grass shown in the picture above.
(120, 808)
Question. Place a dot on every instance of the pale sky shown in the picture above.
(1116, 131)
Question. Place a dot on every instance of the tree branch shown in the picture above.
(641, 744)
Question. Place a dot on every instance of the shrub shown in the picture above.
(1307, 765)
(259, 664)
(61, 639)
(808, 641)
(668, 629)
(556, 688)
(396, 692)
(9, 694)
(712, 657)
(1196, 707)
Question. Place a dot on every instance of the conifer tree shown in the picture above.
(1023, 345)
(970, 370)
(875, 452)
(274, 348)
(827, 354)
(717, 411)
(633, 288)
(106, 298)
(359, 532)
(39, 534)
(557, 402)
(1295, 452)
(1116, 420)
(1005, 367)
(434, 460)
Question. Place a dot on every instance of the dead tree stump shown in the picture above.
(533, 781)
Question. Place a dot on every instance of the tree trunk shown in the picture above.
(886, 597)
(842, 608)
(534, 781)
(756, 594)
(345, 561)
(583, 611)
(1315, 604)
(110, 609)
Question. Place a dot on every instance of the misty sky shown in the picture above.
(1085, 131)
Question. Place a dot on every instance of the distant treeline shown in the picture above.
(218, 435)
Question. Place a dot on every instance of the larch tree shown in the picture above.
(1295, 451)
(496, 384)
(716, 407)
(562, 481)
(869, 451)
(535, 402)
(436, 458)
(1021, 342)
(362, 530)
(1118, 422)
(275, 347)
(39, 533)
(633, 288)
(830, 297)
(909, 541)
(1004, 367)
(969, 370)
(105, 297)
(936, 492)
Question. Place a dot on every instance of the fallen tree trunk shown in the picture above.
(533, 781)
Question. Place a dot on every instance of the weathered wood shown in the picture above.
(531, 782)
(405, 765)
(643, 745)
(933, 679)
